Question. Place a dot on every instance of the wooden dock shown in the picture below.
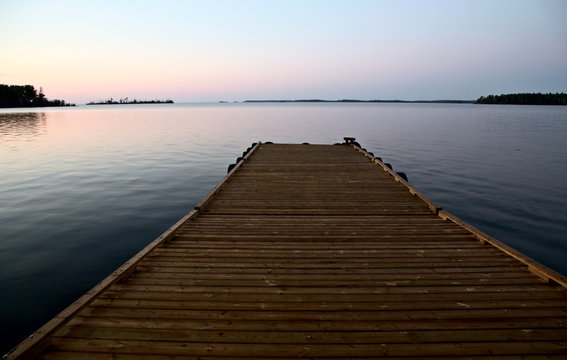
(322, 252)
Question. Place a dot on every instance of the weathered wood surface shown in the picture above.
(317, 252)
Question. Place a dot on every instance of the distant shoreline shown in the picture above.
(364, 101)
(129, 102)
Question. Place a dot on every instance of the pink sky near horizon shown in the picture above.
(192, 51)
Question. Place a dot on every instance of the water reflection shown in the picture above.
(16, 128)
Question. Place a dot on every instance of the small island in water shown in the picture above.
(525, 99)
(126, 101)
(12, 96)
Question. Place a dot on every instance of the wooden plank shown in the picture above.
(105, 356)
(269, 281)
(318, 325)
(312, 350)
(392, 276)
(383, 305)
(279, 337)
(490, 268)
(369, 291)
(353, 299)
(321, 315)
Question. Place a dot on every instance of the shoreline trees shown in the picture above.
(26, 96)
(525, 99)
(123, 101)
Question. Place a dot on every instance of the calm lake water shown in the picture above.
(83, 189)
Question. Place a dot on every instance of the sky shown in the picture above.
(199, 51)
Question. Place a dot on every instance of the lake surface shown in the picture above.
(83, 189)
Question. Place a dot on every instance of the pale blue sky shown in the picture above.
(235, 50)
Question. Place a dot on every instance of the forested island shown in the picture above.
(525, 99)
(124, 101)
(26, 96)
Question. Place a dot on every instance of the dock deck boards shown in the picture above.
(317, 251)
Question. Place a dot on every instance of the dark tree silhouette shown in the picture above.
(25, 96)
(125, 100)
(525, 99)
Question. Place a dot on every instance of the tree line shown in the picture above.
(525, 99)
(125, 100)
(26, 96)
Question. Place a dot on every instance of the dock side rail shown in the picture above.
(535, 267)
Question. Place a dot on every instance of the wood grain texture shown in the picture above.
(315, 251)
